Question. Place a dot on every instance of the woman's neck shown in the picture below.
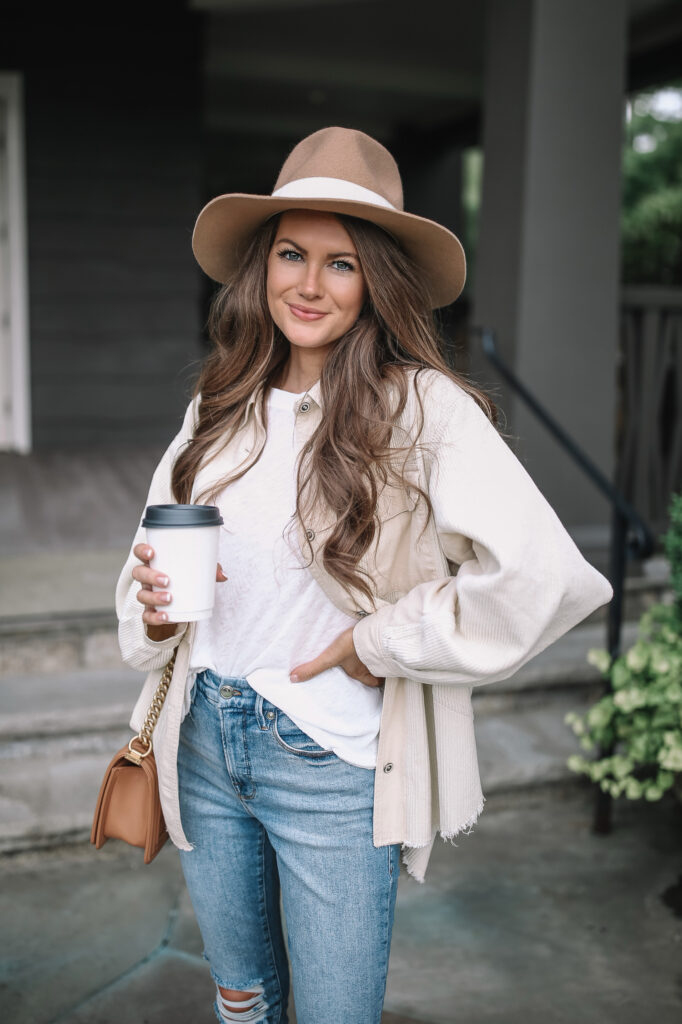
(298, 375)
(288, 387)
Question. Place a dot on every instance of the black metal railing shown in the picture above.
(630, 535)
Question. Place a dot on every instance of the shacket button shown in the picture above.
(304, 406)
(388, 767)
(360, 613)
(310, 534)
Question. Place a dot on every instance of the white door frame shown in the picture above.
(15, 384)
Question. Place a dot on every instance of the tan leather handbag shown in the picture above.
(128, 806)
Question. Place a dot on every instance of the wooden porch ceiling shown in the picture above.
(410, 74)
(290, 68)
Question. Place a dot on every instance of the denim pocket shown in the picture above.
(295, 741)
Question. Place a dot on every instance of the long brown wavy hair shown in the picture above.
(350, 452)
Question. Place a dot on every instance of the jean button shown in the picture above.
(269, 714)
(226, 691)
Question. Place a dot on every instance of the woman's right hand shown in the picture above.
(158, 627)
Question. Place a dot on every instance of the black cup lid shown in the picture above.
(182, 515)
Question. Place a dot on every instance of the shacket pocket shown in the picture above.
(395, 499)
(392, 539)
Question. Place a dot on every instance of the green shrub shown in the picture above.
(642, 716)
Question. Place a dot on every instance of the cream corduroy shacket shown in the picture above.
(491, 581)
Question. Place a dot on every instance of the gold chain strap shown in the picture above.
(144, 736)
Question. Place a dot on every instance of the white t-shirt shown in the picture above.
(271, 614)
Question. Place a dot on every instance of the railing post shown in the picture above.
(617, 567)
(602, 823)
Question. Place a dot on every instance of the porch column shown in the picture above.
(548, 255)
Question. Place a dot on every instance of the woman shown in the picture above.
(384, 552)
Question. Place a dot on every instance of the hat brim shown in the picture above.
(227, 222)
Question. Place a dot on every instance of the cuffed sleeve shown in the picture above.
(521, 581)
(138, 649)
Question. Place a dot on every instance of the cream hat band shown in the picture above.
(330, 188)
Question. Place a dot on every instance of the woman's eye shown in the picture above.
(343, 265)
(286, 253)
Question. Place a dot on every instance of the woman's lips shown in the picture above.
(303, 315)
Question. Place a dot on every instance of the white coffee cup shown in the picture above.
(185, 543)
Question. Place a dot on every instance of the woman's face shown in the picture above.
(315, 285)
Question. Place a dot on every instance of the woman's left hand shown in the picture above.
(340, 652)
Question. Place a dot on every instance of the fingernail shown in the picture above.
(162, 581)
(164, 616)
(295, 678)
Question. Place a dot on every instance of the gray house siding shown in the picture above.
(113, 186)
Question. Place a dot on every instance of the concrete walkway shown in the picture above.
(530, 919)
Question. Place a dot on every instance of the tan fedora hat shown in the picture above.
(340, 170)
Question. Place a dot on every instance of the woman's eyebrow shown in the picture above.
(330, 255)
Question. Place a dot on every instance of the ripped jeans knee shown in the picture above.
(251, 1008)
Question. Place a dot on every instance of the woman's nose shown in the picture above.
(309, 285)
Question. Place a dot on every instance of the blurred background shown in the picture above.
(548, 135)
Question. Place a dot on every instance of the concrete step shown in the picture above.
(67, 704)
(45, 702)
(61, 725)
(527, 746)
(58, 642)
(560, 668)
(68, 641)
(57, 607)
(57, 734)
(51, 582)
(48, 788)
(647, 582)
(53, 755)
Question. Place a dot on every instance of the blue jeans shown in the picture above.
(270, 811)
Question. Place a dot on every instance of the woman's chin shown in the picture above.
(307, 338)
